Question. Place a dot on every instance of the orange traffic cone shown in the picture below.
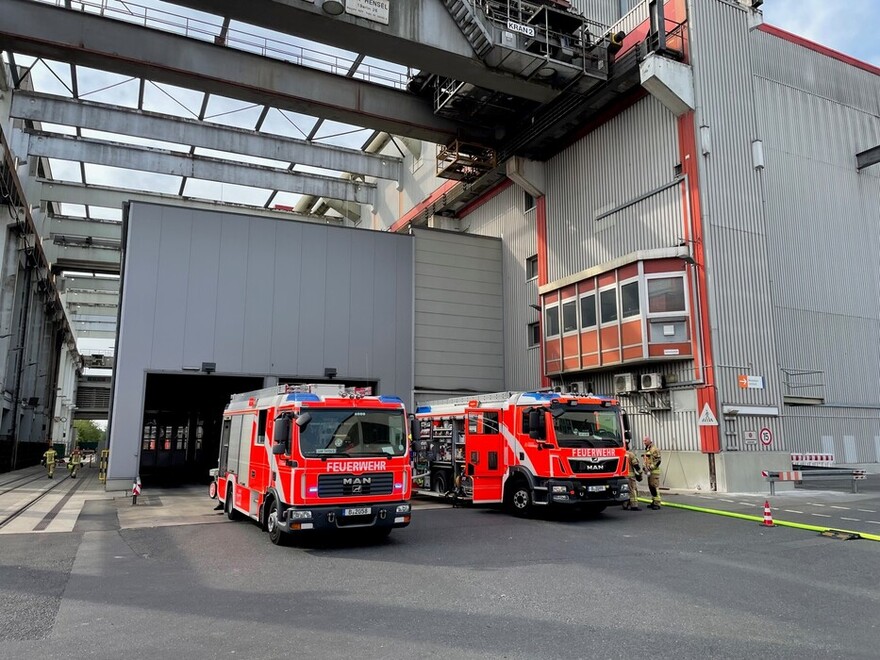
(768, 516)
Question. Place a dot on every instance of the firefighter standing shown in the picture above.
(634, 475)
(49, 457)
(74, 462)
(652, 465)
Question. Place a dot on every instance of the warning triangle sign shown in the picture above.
(707, 417)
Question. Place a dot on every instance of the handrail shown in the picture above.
(196, 28)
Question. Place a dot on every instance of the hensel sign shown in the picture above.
(522, 29)
(372, 10)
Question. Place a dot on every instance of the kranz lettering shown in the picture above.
(522, 29)
(355, 466)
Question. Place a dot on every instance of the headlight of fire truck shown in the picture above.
(560, 489)
(299, 515)
(403, 508)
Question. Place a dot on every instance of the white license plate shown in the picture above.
(597, 489)
(362, 511)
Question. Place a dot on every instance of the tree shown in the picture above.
(88, 431)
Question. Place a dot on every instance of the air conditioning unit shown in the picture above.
(624, 383)
(576, 387)
(652, 381)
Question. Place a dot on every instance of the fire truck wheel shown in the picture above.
(276, 534)
(519, 498)
(231, 511)
(438, 480)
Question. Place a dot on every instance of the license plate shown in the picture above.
(597, 489)
(362, 511)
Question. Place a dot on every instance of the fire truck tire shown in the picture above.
(519, 498)
(438, 482)
(231, 511)
(276, 534)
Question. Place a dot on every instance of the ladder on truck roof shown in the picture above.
(284, 389)
(491, 397)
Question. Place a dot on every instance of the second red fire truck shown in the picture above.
(313, 457)
(524, 449)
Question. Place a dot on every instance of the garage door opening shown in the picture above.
(180, 439)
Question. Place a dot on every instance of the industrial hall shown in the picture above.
(675, 203)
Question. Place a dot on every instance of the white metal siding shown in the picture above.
(504, 216)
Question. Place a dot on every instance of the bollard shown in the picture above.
(135, 490)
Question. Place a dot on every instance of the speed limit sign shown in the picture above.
(766, 436)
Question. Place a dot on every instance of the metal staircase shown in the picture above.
(466, 18)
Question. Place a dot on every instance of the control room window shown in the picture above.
(551, 320)
(534, 334)
(666, 295)
(569, 316)
(629, 299)
(588, 311)
(532, 267)
(528, 202)
(608, 305)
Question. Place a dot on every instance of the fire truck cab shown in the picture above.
(315, 457)
(524, 449)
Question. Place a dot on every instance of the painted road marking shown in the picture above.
(793, 511)
(747, 503)
(852, 519)
(731, 501)
(873, 522)
(866, 510)
(845, 508)
(816, 504)
(820, 515)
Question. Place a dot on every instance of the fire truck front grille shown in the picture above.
(600, 466)
(342, 485)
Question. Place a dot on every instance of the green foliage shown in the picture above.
(87, 432)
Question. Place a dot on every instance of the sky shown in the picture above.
(849, 26)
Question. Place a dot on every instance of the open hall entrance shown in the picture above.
(180, 438)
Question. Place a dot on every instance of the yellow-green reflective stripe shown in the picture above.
(760, 519)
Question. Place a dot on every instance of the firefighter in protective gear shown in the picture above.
(651, 458)
(74, 462)
(634, 475)
(49, 457)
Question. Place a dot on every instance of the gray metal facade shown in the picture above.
(257, 297)
(459, 312)
(506, 217)
(814, 113)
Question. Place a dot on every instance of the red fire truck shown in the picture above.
(524, 449)
(314, 457)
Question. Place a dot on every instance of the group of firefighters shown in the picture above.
(651, 465)
(50, 458)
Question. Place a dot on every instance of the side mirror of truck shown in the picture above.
(536, 424)
(281, 434)
(415, 429)
(302, 420)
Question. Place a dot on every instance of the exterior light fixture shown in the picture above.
(332, 7)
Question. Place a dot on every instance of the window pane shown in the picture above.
(629, 299)
(569, 316)
(666, 294)
(534, 334)
(532, 267)
(588, 311)
(551, 321)
(608, 305)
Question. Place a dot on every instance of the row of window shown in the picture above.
(665, 296)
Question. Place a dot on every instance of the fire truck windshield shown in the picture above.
(588, 427)
(347, 432)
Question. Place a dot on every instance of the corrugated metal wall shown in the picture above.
(814, 114)
(505, 216)
(602, 11)
(260, 298)
(629, 156)
(738, 249)
(459, 312)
